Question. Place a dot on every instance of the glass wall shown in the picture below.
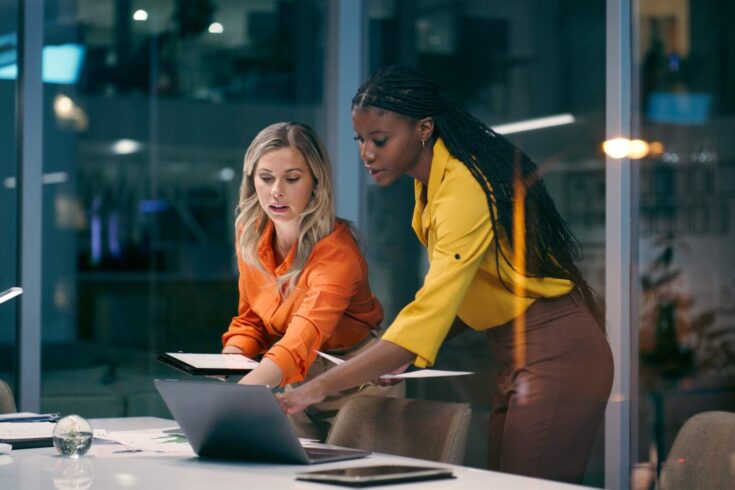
(149, 106)
(505, 62)
(685, 110)
(146, 124)
(8, 186)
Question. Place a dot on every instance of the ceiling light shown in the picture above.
(531, 124)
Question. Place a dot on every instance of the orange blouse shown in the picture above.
(331, 305)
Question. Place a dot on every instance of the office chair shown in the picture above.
(703, 454)
(7, 402)
(422, 429)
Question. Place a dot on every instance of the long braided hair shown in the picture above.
(497, 165)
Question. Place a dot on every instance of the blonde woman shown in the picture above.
(303, 280)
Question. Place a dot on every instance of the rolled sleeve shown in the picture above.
(463, 233)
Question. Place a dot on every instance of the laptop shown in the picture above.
(245, 422)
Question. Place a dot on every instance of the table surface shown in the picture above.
(37, 469)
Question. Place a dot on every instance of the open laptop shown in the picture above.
(232, 421)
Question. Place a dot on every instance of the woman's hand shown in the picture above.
(296, 400)
(391, 381)
(378, 359)
(228, 349)
(232, 349)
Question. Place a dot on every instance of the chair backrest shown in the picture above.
(703, 454)
(422, 429)
(7, 402)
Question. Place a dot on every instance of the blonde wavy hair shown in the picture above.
(317, 220)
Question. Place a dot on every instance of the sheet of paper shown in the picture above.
(26, 430)
(426, 373)
(31, 430)
(420, 373)
(162, 441)
(29, 417)
(18, 415)
(107, 450)
(215, 361)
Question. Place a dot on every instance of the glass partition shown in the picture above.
(686, 116)
(505, 63)
(9, 203)
(146, 127)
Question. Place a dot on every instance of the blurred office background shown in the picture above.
(148, 106)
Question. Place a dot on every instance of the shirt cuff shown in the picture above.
(293, 371)
(247, 345)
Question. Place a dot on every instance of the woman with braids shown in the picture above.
(303, 280)
(498, 263)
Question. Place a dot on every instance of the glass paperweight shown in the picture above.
(72, 436)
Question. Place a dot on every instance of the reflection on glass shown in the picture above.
(687, 323)
(506, 65)
(9, 203)
(142, 155)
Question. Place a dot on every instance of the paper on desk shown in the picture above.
(420, 373)
(162, 441)
(25, 430)
(29, 417)
(30, 430)
(17, 415)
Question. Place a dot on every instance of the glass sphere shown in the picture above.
(72, 436)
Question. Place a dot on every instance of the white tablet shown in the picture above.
(362, 476)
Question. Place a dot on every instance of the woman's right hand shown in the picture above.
(232, 349)
(298, 399)
(228, 349)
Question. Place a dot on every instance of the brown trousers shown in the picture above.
(315, 421)
(547, 412)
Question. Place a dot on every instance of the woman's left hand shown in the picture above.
(298, 399)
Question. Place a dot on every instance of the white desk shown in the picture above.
(37, 469)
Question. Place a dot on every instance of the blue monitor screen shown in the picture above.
(679, 108)
(61, 64)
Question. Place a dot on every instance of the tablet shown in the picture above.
(362, 476)
(208, 364)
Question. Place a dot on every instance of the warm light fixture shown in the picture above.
(616, 147)
(64, 107)
(531, 124)
(656, 148)
(126, 147)
(624, 148)
(140, 15)
(638, 149)
(216, 28)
